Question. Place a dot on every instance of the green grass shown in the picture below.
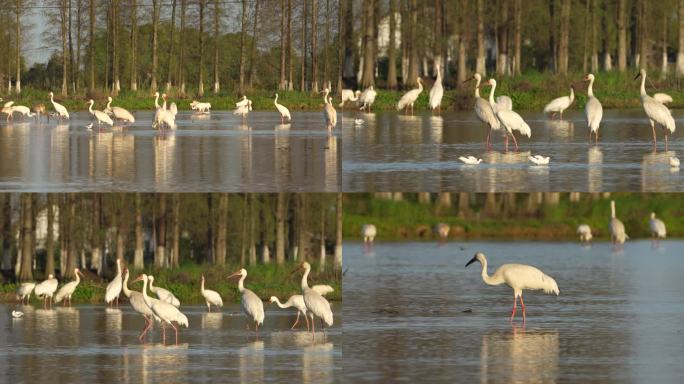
(410, 220)
(265, 280)
(530, 91)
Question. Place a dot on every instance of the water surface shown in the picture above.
(413, 311)
(94, 344)
(216, 152)
(394, 152)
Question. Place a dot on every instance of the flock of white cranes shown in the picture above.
(164, 309)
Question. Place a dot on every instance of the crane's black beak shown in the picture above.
(637, 76)
(474, 259)
(471, 79)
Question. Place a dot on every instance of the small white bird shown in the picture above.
(359, 122)
(658, 230)
(200, 106)
(560, 104)
(100, 116)
(584, 232)
(436, 93)
(593, 109)
(163, 294)
(59, 108)
(211, 297)
(296, 301)
(470, 160)
(17, 314)
(367, 99)
(674, 162)
(410, 97)
(519, 277)
(114, 287)
(118, 112)
(252, 306)
(368, 232)
(24, 292)
(46, 289)
(539, 159)
(167, 313)
(656, 112)
(616, 228)
(284, 112)
(316, 304)
(68, 289)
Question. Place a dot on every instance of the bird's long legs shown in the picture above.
(296, 321)
(175, 329)
(148, 324)
(515, 303)
(523, 308)
(514, 141)
(313, 326)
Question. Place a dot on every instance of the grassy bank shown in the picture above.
(530, 91)
(184, 282)
(411, 220)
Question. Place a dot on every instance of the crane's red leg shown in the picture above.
(175, 329)
(313, 326)
(307, 322)
(296, 321)
(515, 302)
(515, 141)
(523, 307)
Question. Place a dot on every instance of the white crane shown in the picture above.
(167, 313)
(163, 294)
(584, 232)
(243, 102)
(470, 160)
(24, 292)
(20, 109)
(593, 109)
(100, 116)
(442, 230)
(316, 304)
(200, 106)
(484, 110)
(59, 108)
(436, 93)
(296, 301)
(329, 112)
(368, 232)
(656, 111)
(252, 306)
(560, 104)
(539, 159)
(674, 162)
(510, 119)
(349, 95)
(616, 228)
(17, 314)
(410, 97)
(46, 289)
(367, 99)
(118, 112)
(211, 297)
(164, 117)
(519, 277)
(69, 288)
(658, 230)
(284, 112)
(114, 287)
(137, 302)
(243, 110)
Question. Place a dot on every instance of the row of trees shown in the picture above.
(165, 230)
(303, 44)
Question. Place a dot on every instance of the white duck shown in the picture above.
(470, 160)
(539, 159)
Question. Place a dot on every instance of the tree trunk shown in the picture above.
(606, 40)
(160, 254)
(72, 253)
(172, 48)
(413, 46)
(200, 87)
(553, 48)
(175, 260)
(326, 46)
(6, 231)
(368, 61)
(25, 271)
(517, 10)
(243, 52)
(438, 38)
(91, 43)
(18, 12)
(463, 32)
(79, 28)
(290, 65)
(391, 49)
(217, 15)
(594, 36)
(564, 37)
(643, 34)
(680, 47)
(302, 82)
(622, 35)
(282, 82)
(138, 257)
(134, 45)
(663, 48)
(252, 229)
(155, 42)
(50, 240)
(322, 255)
(116, 84)
(480, 65)
(281, 213)
(222, 229)
(63, 14)
(181, 60)
(314, 45)
(338, 232)
(253, 53)
(95, 238)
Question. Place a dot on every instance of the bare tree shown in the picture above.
(367, 78)
(680, 47)
(253, 53)
(243, 51)
(391, 49)
(413, 49)
(175, 211)
(116, 84)
(314, 45)
(134, 44)
(338, 232)
(160, 253)
(50, 241)
(172, 48)
(25, 270)
(302, 71)
(464, 36)
(217, 16)
(138, 261)
(202, 4)
(91, 43)
(181, 60)
(564, 37)
(96, 257)
(282, 84)
(290, 66)
(480, 65)
(222, 229)
(156, 5)
(281, 212)
(622, 35)
(64, 29)
(517, 16)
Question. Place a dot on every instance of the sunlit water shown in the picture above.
(93, 344)
(392, 152)
(414, 313)
(216, 152)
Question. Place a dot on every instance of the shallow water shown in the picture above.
(216, 152)
(94, 344)
(392, 152)
(413, 311)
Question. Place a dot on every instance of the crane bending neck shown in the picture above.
(126, 291)
(281, 305)
(491, 95)
(485, 276)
